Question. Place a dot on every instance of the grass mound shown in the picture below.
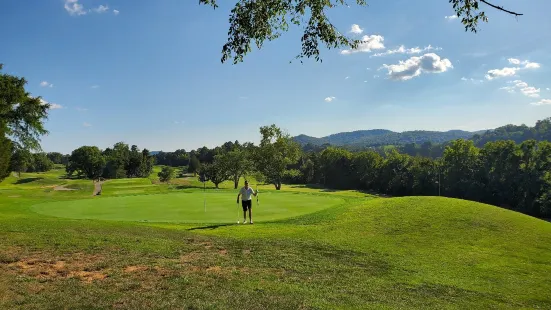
(356, 251)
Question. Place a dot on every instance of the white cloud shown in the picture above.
(85, 124)
(511, 71)
(531, 92)
(521, 84)
(428, 63)
(94, 86)
(369, 43)
(53, 106)
(527, 64)
(542, 102)
(356, 29)
(116, 12)
(375, 76)
(46, 84)
(531, 65)
(81, 109)
(101, 9)
(548, 88)
(329, 99)
(403, 50)
(451, 17)
(74, 8)
(526, 90)
(346, 78)
(497, 73)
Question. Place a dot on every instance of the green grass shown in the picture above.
(213, 206)
(355, 251)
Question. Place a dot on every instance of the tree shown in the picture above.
(41, 163)
(258, 21)
(214, 172)
(148, 162)
(21, 159)
(235, 163)
(166, 174)
(21, 118)
(336, 167)
(55, 157)
(6, 148)
(276, 151)
(461, 168)
(194, 165)
(87, 161)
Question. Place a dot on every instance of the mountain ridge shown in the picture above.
(379, 137)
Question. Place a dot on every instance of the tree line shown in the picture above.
(120, 161)
(502, 173)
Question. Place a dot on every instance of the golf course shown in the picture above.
(281, 154)
(146, 245)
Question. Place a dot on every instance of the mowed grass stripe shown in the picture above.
(188, 207)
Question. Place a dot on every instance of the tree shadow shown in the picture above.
(209, 227)
(27, 180)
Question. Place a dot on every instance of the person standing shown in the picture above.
(246, 192)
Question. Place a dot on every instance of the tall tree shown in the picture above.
(6, 148)
(236, 163)
(87, 161)
(21, 117)
(41, 163)
(276, 151)
(258, 21)
(214, 172)
(21, 160)
(194, 165)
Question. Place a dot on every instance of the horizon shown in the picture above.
(150, 75)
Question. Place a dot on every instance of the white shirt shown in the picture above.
(246, 193)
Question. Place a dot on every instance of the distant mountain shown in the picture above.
(154, 152)
(380, 137)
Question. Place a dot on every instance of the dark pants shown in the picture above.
(246, 204)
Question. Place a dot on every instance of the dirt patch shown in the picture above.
(74, 266)
(63, 188)
(135, 268)
(215, 269)
(223, 252)
(190, 257)
(246, 252)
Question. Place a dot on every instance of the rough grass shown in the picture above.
(416, 252)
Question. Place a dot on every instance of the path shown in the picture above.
(97, 188)
(62, 188)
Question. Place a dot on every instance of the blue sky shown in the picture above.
(149, 72)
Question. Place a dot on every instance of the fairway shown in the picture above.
(188, 207)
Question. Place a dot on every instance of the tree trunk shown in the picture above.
(277, 185)
(235, 182)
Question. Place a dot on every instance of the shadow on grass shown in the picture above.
(209, 227)
(27, 180)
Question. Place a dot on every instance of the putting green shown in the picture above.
(221, 207)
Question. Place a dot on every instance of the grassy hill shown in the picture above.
(364, 252)
(380, 137)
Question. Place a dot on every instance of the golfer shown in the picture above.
(246, 201)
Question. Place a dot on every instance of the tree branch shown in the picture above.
(500, 8)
